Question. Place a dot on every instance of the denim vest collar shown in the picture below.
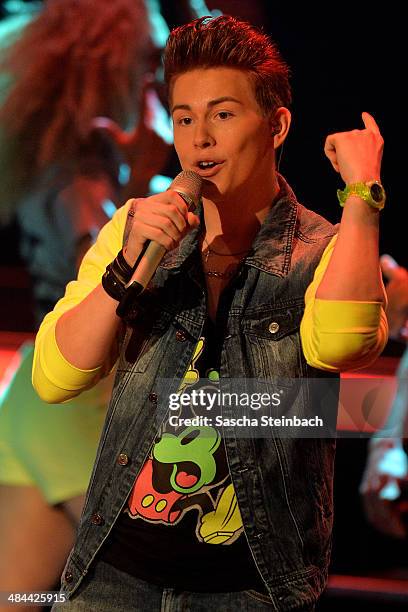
(272, 247)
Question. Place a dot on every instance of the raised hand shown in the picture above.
(147, 147)
(357, 154)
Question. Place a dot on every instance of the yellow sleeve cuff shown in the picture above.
(54, 378)
(62, 380)
(346, 317)
(343, 335)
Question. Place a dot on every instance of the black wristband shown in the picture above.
(121, 269)
(113, 285)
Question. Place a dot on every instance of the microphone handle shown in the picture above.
(145, 266)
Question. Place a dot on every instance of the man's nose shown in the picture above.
(203, 136)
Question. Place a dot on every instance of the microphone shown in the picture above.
(189, 185)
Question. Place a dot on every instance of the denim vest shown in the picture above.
(283, 486)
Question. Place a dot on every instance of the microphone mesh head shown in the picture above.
(188, 184)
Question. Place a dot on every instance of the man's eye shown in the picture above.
(224, 115)
(184, 121)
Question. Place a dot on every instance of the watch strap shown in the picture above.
(363, 191)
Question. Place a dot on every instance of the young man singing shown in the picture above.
(254, 286)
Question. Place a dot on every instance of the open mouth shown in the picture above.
(185, 480)
(188, 474)
(208, 168)
(203, 165)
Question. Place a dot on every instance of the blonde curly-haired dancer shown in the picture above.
(75, 60)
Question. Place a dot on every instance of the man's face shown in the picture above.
(220, 132)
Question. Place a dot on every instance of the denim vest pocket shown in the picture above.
(273, 341)
(273, 324)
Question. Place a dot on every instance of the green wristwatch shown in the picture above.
(371, 192)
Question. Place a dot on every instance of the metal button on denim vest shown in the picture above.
(283, 485)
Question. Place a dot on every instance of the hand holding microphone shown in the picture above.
(156, 225)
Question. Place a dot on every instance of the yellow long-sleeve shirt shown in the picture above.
(335, 335)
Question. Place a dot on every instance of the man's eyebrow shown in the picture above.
(210, 104)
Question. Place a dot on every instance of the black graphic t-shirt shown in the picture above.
(181, 526)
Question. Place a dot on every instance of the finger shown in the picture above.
(159, 221)
(179, 201)
(169, 197)
(391, 270)
(193, 220)
(111, 128)
(388, 265)
(150, 232)
(369, 123)
(330, 151)
(172, 212)
(104, 123)
(168, 205)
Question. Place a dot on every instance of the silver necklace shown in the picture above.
(211, 251)
(217, 273)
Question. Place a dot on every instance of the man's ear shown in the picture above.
(280, 124)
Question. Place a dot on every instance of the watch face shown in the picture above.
(376, 192)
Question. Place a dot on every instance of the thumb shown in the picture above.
(111, 128)
(330, 151)
(388, 266)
